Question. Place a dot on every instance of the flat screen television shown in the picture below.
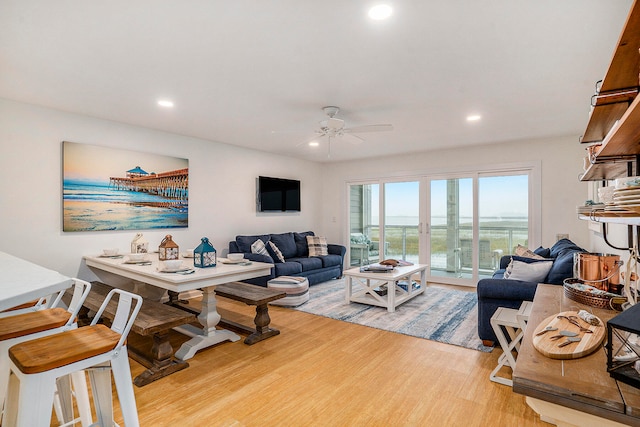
(277, 194)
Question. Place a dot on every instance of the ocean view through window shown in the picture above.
(465, 225)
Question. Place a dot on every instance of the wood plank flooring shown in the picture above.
(324, 372)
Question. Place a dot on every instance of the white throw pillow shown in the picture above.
(258, 247)
(530, 272)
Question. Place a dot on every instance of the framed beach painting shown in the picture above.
(113, 189)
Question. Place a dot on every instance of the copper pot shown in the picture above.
(601, 271)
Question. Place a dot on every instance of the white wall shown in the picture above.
(560, 160)
(221, 186)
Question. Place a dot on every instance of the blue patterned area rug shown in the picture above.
(446, 315)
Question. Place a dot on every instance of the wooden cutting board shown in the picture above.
(587, 345)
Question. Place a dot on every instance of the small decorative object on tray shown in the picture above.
(623, 346)
(578, 291)
(395, 262)
(205, 254)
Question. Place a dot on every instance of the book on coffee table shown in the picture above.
(376, 268)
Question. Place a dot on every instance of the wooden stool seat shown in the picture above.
(33, 322)
(53, 351)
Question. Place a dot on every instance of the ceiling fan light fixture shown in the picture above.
(334, 123)
(380, 12)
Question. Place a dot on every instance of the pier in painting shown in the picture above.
(172, 185)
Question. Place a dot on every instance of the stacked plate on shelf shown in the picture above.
(626, 196)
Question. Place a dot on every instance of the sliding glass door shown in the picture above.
(402, 220)
(451, 228)
(364, 227)
(458, 224)
(474, 221)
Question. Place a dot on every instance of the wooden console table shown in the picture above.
(571, 392)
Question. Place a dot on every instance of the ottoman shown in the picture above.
(296, 288)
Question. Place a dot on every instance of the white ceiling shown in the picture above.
(257, 73)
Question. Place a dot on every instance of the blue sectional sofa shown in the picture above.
(293, 247)
(500, 292)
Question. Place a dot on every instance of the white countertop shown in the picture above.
(22, 281)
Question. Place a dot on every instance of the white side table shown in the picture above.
(514, 322)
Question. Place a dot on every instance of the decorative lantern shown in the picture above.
(168, 249)
(139, 245)
(623, 346)
(204, 255)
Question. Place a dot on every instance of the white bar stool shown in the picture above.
(36, 322)
(37, 364)
(513, 322)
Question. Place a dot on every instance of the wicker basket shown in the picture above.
(599, 301)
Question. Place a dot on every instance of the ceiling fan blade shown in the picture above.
(369, 128)
(353, 139)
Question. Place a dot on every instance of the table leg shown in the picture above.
(391, 295)
(263, 331)
(348, 290)
(208, 335)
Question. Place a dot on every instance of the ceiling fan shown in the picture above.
(334, 127)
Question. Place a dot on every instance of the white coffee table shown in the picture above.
(364, 287)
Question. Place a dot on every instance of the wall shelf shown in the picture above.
(622, 75)
(603, 218)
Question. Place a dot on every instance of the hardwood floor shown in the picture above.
(323, 372)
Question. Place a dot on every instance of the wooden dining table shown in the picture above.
(204, 279)
(22, 281)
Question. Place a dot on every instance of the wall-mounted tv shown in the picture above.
(277, 194)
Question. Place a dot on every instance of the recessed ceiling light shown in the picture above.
(313, 144)
(165, 103)
(379, 12)
(474, 117)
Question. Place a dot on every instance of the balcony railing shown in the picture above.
(402, 241)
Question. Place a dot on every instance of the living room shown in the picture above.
(222, 178)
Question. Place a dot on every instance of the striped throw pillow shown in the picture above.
(317, 246)
(258, 247)
(276, 251)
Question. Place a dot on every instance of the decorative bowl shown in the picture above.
(172, 264)
(137, 257)
(235, 257)
(110, 252)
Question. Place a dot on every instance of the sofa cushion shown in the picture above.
(288, 268)
(563, 245)
(302, 249)
(317, 246)
(543, 252)
(286, 243)
(330, 260)
(275, 252)
(562, 267)
(529, 271)
(244, 242)
(307, 263)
